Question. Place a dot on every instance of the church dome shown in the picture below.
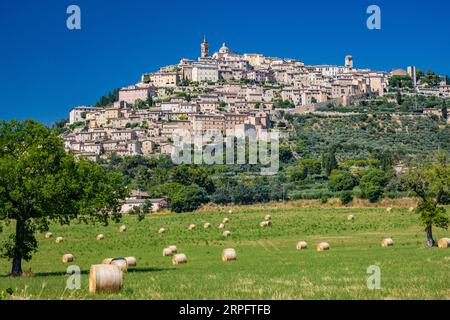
(224, 48)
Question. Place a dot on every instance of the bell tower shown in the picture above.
(204, 48)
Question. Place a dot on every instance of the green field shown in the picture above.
(268, 265)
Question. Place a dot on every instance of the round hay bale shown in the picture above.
(59, 239)
(121, 263)
(161, 231)
(387, 242)
(350, 217)
(100, 237)
(301, 245)
(131, 261)
(221, 226)
(265, 224)
(167, 252)
(192, 226)
(207, 225)
(107, 278)
(48, 235)
(225, 220)
(323, 246)
(411, 209)
(123, 228)
(107, 261)
(173, 248)
(389, 209)
(67, 258)
(228, 254)
(444, 243)
(179, 258)
(227, 234)
(267, 217)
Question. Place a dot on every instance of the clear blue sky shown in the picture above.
(45, 69)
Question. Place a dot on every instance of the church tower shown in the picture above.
(204, 48)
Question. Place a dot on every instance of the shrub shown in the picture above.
(346, 197)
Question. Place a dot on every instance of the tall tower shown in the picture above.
(349, 61)
(413, 75)
(204, 48)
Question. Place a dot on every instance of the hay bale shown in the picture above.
(100, 237)
(227, 234)
(323, 246)
(267, 217)
(173, 248)
(265, 224)
(167, 252)
(389, 209)
(179, 258)
(59, 239)
(131, 261)
(225, 220)
(301, 245)
(123, 228)
(221, 226)
(350, 217)
(387, 242)
(48, 235)
(444, 243)
(121, 263)
(207, 225)
(411, 209)
(67, 258)
(161, 231)
(192, 226)
(228, 254)
(107, 278)
(107, 261)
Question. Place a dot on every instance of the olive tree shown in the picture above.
(430, 181)
(40, 183)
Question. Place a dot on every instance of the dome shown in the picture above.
(224, 48)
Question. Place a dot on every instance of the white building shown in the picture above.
(78, 114)
(205, 72)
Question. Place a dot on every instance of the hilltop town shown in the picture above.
(219, 94)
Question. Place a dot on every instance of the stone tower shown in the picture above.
(349, 61)
(204, 48)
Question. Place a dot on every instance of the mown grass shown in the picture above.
(268, 265)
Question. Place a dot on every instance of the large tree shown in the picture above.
(40, 184)
(430, 181)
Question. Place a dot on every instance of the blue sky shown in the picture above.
(45, 69)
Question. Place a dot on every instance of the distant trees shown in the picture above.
(108, 99)
(41, 184)
(400, 82)
(430, 181)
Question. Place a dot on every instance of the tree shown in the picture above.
(40, 184)
(430, 181)
(444, 109)
(372, 184)
(329, 162)
(342, 180)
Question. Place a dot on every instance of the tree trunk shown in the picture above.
(430, 240)
(18, 247)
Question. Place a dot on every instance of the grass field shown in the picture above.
(268, 265)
